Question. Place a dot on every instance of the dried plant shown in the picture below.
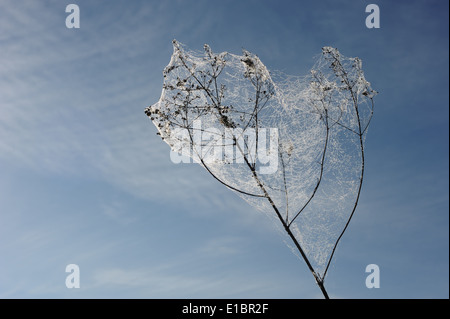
(291, 146)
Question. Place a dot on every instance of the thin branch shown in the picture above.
(361, 142)
(320, 174)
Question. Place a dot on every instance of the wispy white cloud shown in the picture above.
(117, 211)
(172, 282)
(223, 246)
(59, 116)
(55, 118)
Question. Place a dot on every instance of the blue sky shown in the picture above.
(85, 180)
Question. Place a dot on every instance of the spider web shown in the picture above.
(296, 140)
